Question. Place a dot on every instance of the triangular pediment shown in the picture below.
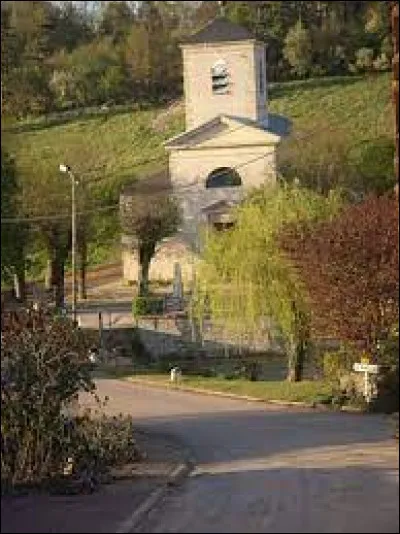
(223, 131)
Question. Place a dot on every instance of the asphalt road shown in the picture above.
(268, 469)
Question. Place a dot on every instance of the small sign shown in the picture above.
(366, 368)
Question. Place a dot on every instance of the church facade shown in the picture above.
(230, 142)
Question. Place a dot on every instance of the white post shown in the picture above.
(366, 386)
(73, 249)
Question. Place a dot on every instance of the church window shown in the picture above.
(220, 78)
(223, 177)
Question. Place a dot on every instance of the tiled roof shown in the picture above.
(219, 30)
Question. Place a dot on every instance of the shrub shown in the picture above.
(147, 306)
(350, 267)
(338, 363)
(364, 59)
(44, 367)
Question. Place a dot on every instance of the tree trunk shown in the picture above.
(82, 293)
(292, 372)
(57, 277)
(20, 284)
(297, 352)
(143, 281)
(146, 253)
(48, 277)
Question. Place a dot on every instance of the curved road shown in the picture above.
(268, 469)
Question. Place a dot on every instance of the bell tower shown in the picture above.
(224, 74)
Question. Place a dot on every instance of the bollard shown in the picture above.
(175, 375)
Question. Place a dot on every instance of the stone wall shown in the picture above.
(162, 265)
(175, 340)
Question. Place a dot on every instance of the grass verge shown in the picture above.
(308, 391)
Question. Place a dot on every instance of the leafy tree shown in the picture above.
(244, 279)
(298, 49)
(116, 19)
(350, 267)
(320, 157)
(149, 217)
(13, 235)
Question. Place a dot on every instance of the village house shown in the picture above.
(229, 145)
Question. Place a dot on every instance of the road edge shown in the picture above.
(275, 402)
(174, 479)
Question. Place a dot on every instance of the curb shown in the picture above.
(299, 404)
(175, 478)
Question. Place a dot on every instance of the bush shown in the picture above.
(364, 59)
(338, 364)
(44, 367)
(147, 306)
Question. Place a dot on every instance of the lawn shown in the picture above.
(305, 391)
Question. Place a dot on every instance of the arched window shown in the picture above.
(220, 77)
(223, 177)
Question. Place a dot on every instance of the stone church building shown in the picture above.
(229, 145)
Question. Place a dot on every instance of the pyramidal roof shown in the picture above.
(219, 30)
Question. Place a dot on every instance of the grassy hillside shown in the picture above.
(121, 145)
(362, 106)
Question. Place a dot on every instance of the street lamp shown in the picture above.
(66, 169)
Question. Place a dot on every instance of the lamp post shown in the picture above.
(67, 169)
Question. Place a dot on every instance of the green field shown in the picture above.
(123, 145)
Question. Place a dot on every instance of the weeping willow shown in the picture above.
(243, 277)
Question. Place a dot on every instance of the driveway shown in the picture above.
(268, 469)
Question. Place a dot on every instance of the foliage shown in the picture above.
(44, 366)
(98, 443)
(350, 267)
(298, 49)
(364, 59)
(338, 363)
(143, 61)
(145, 305)
(326, 158)
(374, 167)
(13, 236)
(319, 159)
(149, 217)
(243, 277)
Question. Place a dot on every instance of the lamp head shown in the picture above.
(64, 168)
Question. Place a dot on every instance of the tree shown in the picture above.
(116, 19)
(320, 157)
(149, 216)
(13, 235)
(45, 197)
(350, 268)
(243, 278)
(298, 49)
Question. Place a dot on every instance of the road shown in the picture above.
(268, 469)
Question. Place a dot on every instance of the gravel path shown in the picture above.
(268, 469)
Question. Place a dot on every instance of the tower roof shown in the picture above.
(219, 30)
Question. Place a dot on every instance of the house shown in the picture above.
(230, 142)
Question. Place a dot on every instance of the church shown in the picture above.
(229, 145)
